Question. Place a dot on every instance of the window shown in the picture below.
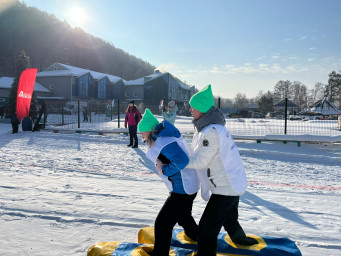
(102, 89)
(173, 88)
(83, 86)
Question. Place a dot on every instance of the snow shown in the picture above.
(139, 81)
(6, 83)
(60, 193)
(75, 71)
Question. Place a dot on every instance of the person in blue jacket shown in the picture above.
(170, 152)
(170, 115)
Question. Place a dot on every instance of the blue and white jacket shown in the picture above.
(173, 151)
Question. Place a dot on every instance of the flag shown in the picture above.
(25, 90)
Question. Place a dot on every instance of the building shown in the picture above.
(6, 86)
(152, 88)
(61, 81)
(292, 108)
(78, 83)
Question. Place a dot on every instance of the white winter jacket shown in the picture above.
(216, 154)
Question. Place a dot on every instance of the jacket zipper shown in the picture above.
(209, 175)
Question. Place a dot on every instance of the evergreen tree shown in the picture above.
(23, 63)
(34, 107)
(27, 28)
(266, 102)
(333, 88)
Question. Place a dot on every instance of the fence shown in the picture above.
(105, 115)
(256, 126)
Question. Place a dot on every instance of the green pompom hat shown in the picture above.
(202, 100)
(148, 121)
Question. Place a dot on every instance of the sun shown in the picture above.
(77, 16)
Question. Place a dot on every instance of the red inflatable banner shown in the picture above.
(25, 90)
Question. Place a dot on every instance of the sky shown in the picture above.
(242, 46)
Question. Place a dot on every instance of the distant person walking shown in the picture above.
(132, 118)
(2, 112)
(15, 123)
(170, 115)
(85, 115)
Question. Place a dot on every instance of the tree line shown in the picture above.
(295, 91)
(46, 40)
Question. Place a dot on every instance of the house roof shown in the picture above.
(143, 80)
(6, 83)
(77, 72)
(252, 106)
(184, 86)
(153, 76)
(282, 104)
(325, 107)
(139, 81)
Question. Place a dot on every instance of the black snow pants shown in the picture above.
(221, 211)
(176, 209)
(15, 127)
(133, 135)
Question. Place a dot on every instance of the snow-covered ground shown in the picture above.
(61, 193)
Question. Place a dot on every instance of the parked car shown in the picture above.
(257, 114)
(275, 115)
(295, 117)
(240, 114)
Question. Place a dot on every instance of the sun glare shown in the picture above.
(77, 16)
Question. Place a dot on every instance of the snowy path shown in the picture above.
(61, 193)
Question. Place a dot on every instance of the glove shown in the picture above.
(163, 108)
(125, 126)
(159, 165)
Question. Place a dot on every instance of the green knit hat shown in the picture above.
(148, 121)
(202, 100)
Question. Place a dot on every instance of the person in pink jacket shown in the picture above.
(133, 117)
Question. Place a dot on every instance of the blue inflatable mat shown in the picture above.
(267, 246)
(181, 245)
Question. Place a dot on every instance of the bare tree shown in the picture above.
(317, 93)
(282, 90)
(240, 101)
(300, 94)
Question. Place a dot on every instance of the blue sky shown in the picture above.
(240, 46)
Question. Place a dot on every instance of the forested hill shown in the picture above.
(47, 40)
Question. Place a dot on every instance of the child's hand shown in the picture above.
(159, 165)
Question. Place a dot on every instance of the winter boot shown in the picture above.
(240, 238)
(136, 145)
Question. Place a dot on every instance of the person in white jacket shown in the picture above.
(216, 155)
